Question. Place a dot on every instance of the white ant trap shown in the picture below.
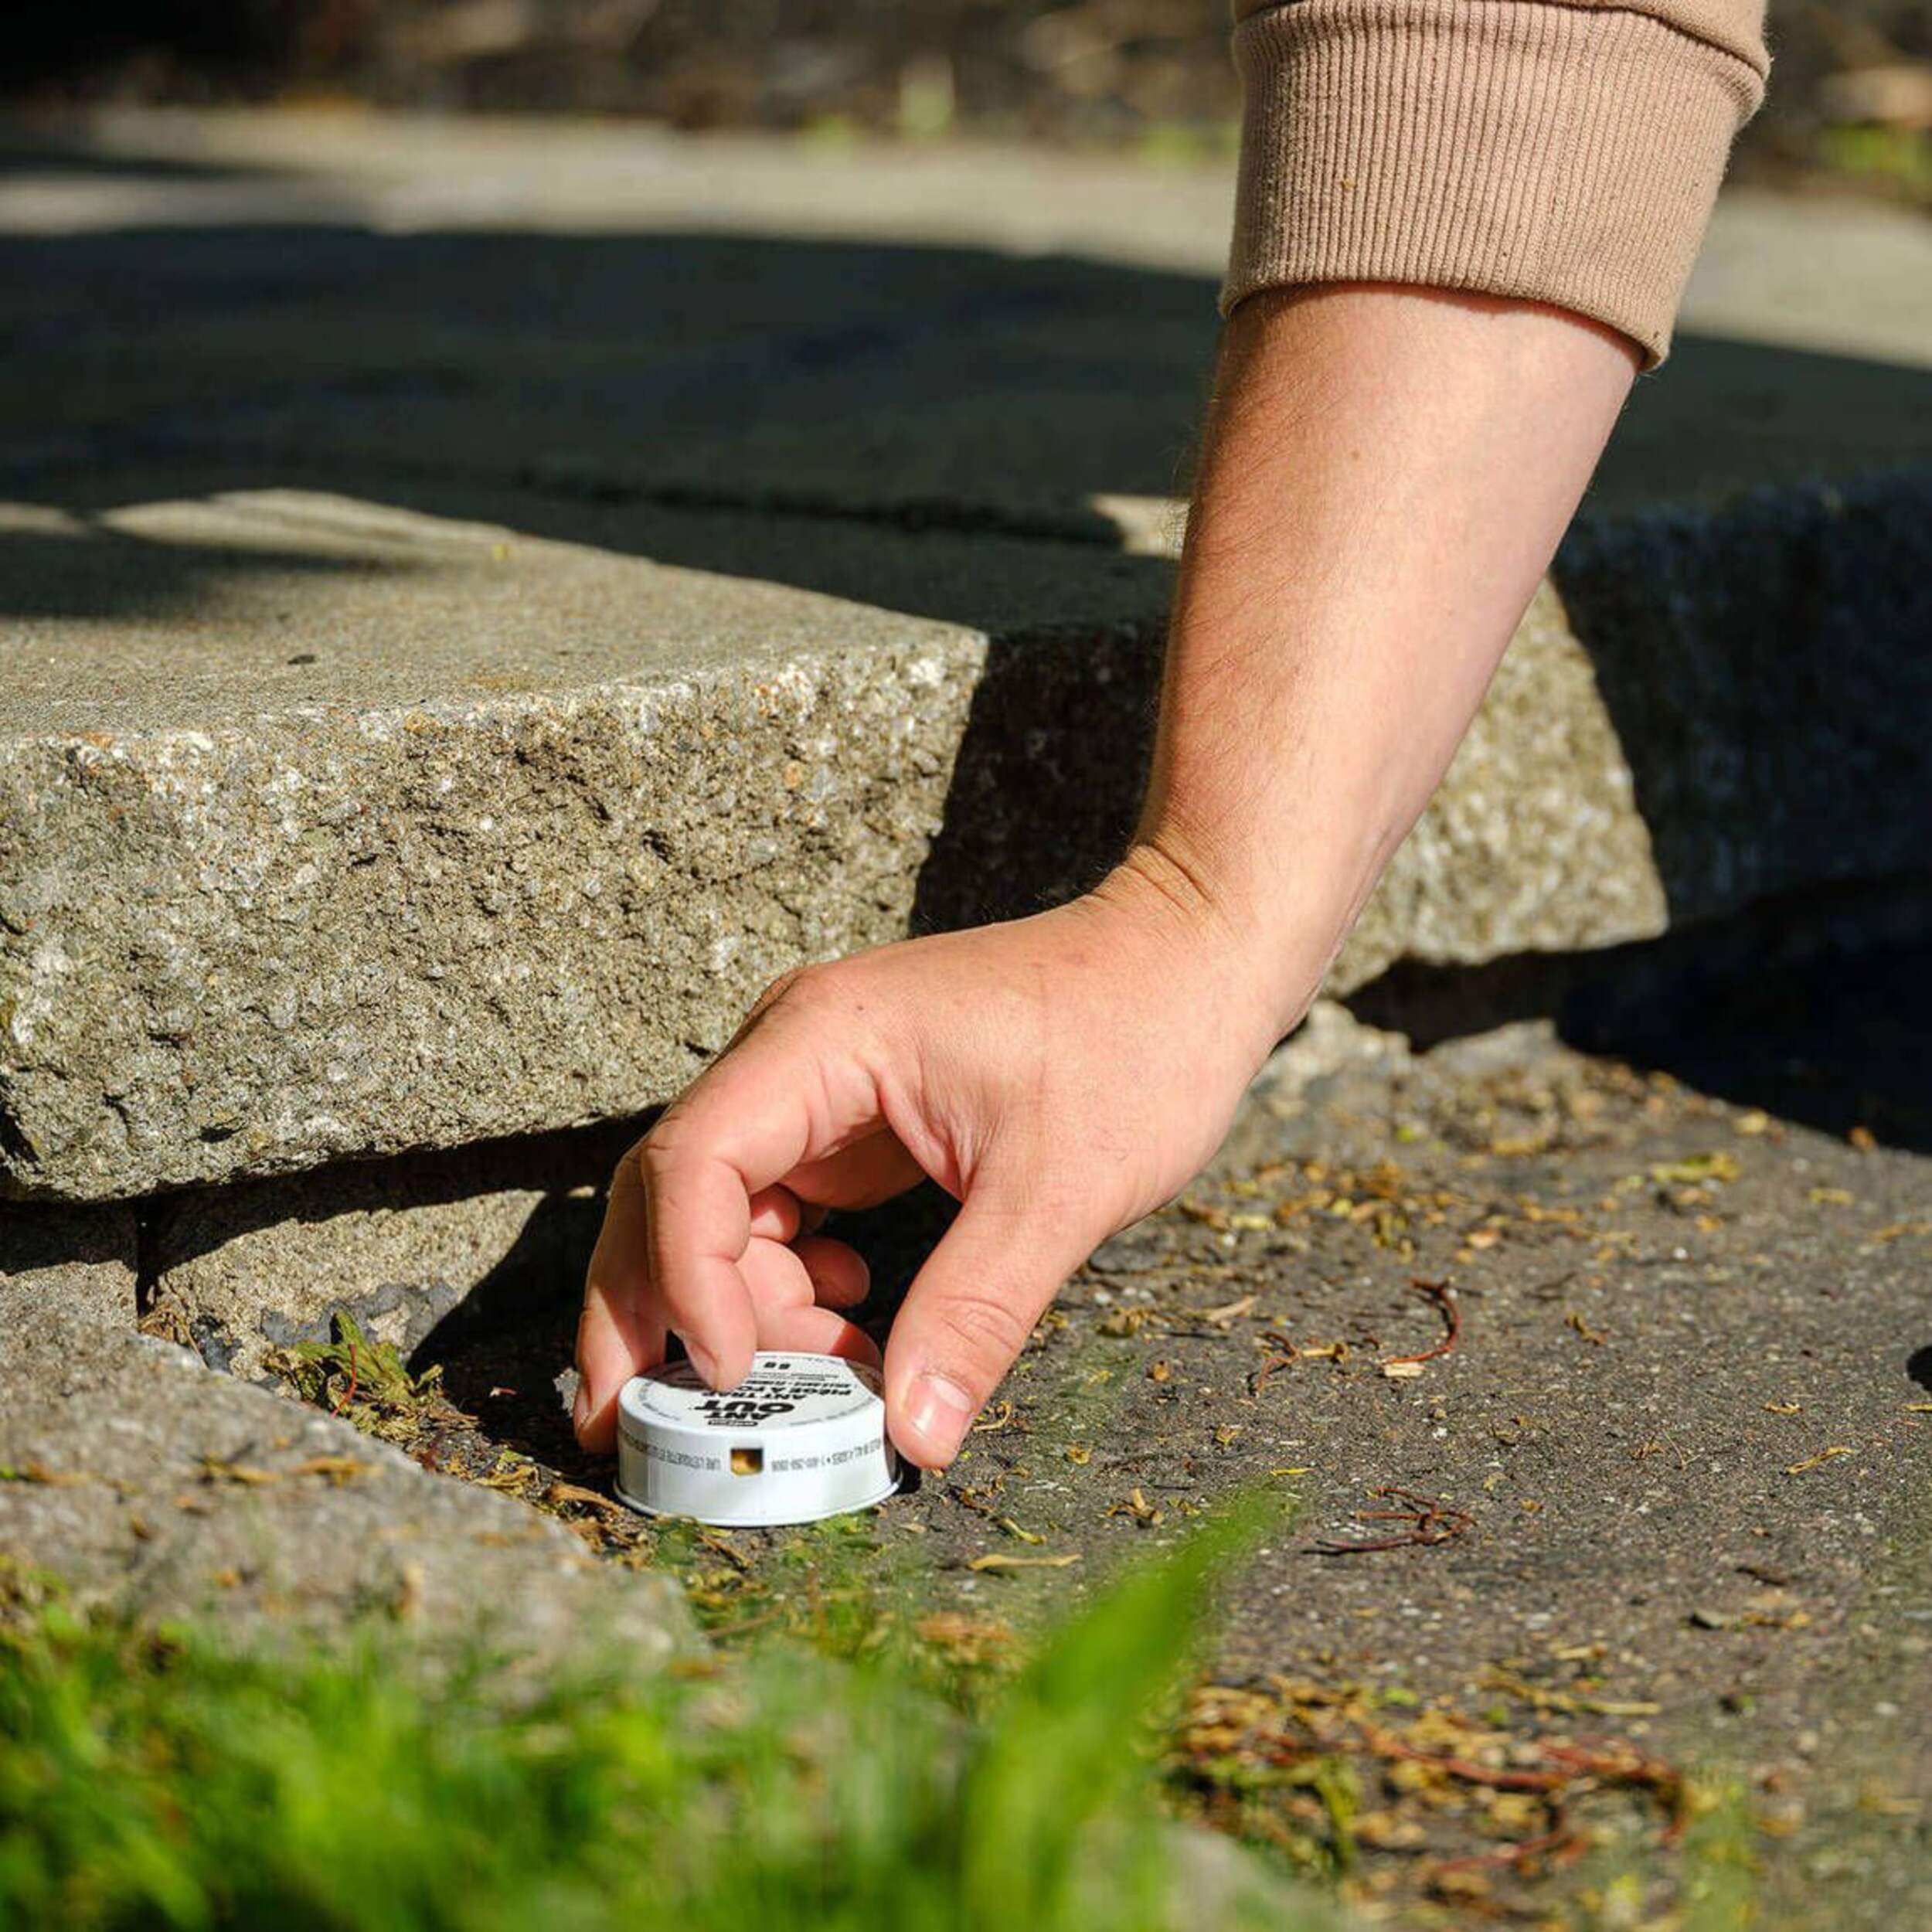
(802, 1437)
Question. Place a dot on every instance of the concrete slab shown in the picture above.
(151, 1486)
(334, 739)
(76, 1262)
(330, 830)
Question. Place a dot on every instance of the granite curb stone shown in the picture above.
(410, 1248)
(626, 796)
(81, 1261)
(157, 1488)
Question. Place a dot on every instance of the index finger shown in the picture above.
(786, 1093)
(621, 1330)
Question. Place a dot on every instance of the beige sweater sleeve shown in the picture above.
(1561, 151)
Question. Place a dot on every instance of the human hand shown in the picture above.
(1059, 1076)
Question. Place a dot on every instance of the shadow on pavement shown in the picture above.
(50, 575)
(1811, 1010)
(919, 386)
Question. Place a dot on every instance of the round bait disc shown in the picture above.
(802, 1436)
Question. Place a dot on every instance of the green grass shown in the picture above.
(1898, 158)
(173, 1782)
(1718, 1885)
(385, 1783)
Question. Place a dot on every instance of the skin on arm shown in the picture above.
(1385, 472)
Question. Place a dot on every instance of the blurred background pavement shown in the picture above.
(1853, 97)
(955, 260)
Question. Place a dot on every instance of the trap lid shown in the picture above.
(802, 1436)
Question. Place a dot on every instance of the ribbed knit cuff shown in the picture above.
(1560, 154)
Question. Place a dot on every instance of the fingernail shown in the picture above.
(940, 1411)
(580, 1407)
(703, 1360)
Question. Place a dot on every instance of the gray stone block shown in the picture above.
(513, 852)
(156, 1487)
(419, 1246)
(78, 1262)
(1765, 670)
(517, 847)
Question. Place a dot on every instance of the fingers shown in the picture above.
(619, 1331)
(965, 1320)
(797, 1292)
(622, 1327)
(776, 1214)
(817, 1270)
(815, 1330)
(786, 1093)
(840, 1278)
(867, 1171)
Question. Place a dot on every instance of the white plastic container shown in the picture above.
(803, 1436)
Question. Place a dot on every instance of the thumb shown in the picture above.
(965, 1319)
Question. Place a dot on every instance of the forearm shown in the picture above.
(1385, 474)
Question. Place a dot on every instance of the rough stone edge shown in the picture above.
(1843, 572)
(69, 1260)
(154, 1488)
